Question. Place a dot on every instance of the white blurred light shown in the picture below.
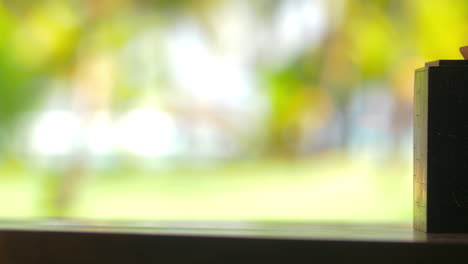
(204, 75)
(146, 132)
(98, 139)
(300, 24)
(56, 132)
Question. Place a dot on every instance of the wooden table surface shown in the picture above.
(223, 242)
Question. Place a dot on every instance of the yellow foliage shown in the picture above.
(45, 34)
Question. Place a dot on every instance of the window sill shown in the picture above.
(222, 242)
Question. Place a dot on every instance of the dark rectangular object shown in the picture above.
(241, 242)
(441, 147)
(447, 63)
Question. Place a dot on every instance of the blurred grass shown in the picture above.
(331, 188)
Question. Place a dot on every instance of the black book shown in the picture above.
(441, 147)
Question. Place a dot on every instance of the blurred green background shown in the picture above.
(297, 110)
